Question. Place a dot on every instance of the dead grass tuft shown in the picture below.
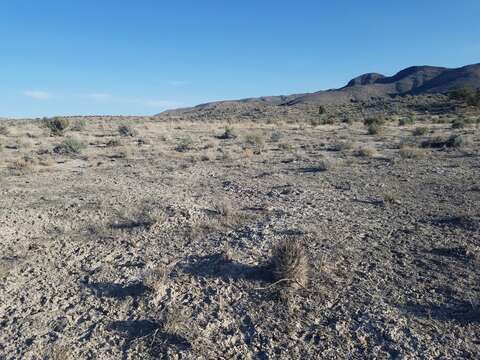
(290, 266)
(366, 151)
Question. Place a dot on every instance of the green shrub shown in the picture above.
(276, 136)
(467, 95)
(69, 147)
(374, 129)
(458, 124)
(56, 125)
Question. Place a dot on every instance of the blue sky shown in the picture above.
(68, 57)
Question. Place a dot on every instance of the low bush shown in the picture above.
(69, 147)
(56, 125)
(420, 131)
(127, 130)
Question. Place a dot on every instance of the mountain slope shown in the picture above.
(415, 80)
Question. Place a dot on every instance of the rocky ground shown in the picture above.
(153, 240)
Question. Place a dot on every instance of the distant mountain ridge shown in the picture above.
(415, 80)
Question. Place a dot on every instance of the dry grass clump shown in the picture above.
(4, 130)
(406, 121)
(286, 146)
(184, 144)
(127, 130)
(366, 151)
(420, 131)
(227, 134)
(113, 142)
(342, 146)
(255, 142)
(22, 164)
(290, 264)
(224, 208)
(411, 153)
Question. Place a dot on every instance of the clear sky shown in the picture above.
(65, 57)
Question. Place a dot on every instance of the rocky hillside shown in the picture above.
(415, 80)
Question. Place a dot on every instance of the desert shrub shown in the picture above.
(286, 146)
(255, 141)
(321, 165)
(374, 128)
(467, 95)
(1, 147)
(4, 130)
(420, 131)
(184, 144)
(127, 130)
(341, 146)
(79, 125)
(69, 147)
(458, 124)
(290, 264)
(228, 134)
(56, 125)
(406, 121)
(224, 208)
(321, 110)
(455, 141)
(366, 151)
(22, 164)
(374, 120)
(276, 136)
(389, 198)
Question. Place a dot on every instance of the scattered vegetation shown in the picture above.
(454, 141)
(56, 125)
(467, 95)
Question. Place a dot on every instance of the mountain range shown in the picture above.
(415, 80)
